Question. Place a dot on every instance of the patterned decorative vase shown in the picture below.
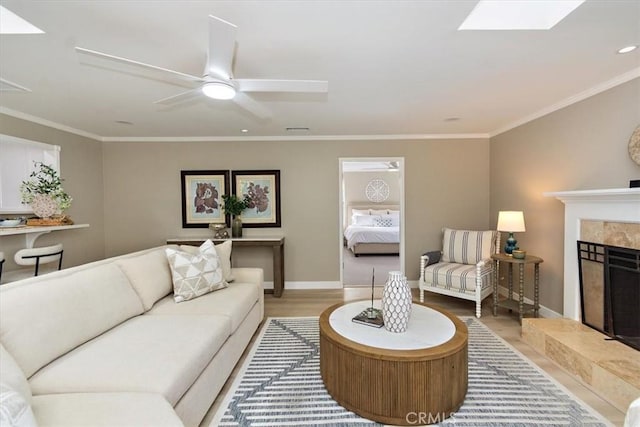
(396, 302)
(236, 227)
(44, 206)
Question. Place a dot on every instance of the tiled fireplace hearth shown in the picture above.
(610, 368)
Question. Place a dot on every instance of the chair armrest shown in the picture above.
(432, 257)
(248, 275)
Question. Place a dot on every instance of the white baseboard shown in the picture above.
(306, 285)
(544, 311)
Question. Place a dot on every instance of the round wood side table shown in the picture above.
(520, 306)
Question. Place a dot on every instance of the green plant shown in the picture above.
(45, 180)
(233, 205)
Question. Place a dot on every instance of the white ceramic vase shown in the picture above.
(396, 302)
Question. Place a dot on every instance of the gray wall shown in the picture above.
(583, 146)
(142, 194)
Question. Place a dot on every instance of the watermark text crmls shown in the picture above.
(422, 418)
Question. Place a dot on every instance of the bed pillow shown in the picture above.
(386, 221)
(379, 212)
(363, 220)
(355, 212)
(467, 247)
(394, 212)
(195, 274)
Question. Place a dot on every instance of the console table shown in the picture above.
(520, 306)
(276, 243)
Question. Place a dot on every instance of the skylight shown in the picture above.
(518, 14)
(10, 23)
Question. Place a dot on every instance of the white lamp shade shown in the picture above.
(511, 221)
(219, 90)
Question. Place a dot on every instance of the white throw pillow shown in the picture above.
(14, 410)
(355, 212)
(363, 220)
(379, 212)
(224, 254)
(195, 274)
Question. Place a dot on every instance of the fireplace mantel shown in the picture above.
(614, 205)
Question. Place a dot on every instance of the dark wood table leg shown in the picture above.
(278, 270)
(536, 291)
(521, 291)
(496, 267)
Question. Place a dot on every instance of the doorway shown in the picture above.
(371, 212)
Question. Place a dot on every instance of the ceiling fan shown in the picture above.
(218, 81)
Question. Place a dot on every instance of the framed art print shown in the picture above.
(202, 193)
(263, 189)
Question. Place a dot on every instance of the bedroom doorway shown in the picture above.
(371, 212)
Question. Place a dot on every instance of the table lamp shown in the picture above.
(511, 222)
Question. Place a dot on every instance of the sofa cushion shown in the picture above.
(157, 354)
(195, 274)
(58, 314)
(467, 247)
(224, 254)
(149, 275)
(12, 375)
(104, 410)
(235, 301)
(14, 409)
(460, 277)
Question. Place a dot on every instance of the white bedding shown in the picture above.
(364, 234)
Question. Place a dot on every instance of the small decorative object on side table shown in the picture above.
(220, 231)
(520, 306)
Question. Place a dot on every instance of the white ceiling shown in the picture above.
(395, 68)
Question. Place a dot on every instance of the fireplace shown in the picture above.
(610, 290)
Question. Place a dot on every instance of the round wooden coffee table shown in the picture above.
(410, 378)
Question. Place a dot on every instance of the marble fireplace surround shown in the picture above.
(608, 216)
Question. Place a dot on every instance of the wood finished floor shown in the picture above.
(296, 303)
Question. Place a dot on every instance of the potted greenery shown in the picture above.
(44, 193)
(234, 206)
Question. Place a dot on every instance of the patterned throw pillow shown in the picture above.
(383, 221)
(195, 274)
(14, 409)
(467, 247)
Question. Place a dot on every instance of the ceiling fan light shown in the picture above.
(219, 90)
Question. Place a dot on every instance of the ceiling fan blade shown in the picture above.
(252, 106)
(263, 85)
(177, 74)
(222, 43)
(182, 96)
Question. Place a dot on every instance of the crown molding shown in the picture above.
(48, 123)
(616, 81)
(297, 138)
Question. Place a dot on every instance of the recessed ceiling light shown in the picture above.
(627, 49)
(10, 23)
(244, 130)
(518, 15)
(219, 90)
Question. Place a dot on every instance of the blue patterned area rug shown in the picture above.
(280, 385)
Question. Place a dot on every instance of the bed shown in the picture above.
(372, 229)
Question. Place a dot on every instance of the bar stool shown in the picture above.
(39, 256)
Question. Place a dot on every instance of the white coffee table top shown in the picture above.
(427, 328)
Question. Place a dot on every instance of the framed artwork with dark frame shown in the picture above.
(202, 193)
(263, 189)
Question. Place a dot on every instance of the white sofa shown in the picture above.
(104, 344)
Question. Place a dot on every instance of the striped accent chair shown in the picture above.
(463, 269)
